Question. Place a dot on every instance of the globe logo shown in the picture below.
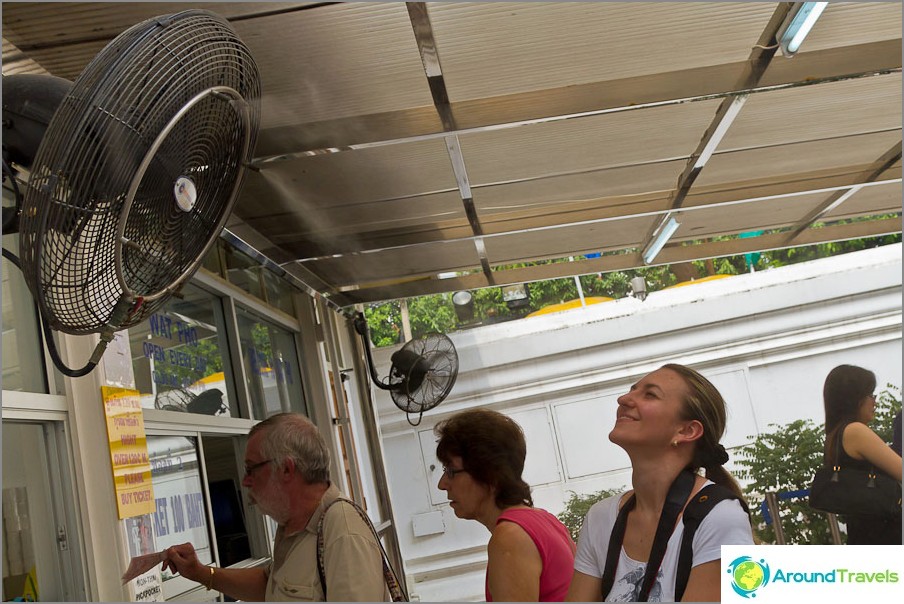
(748, 575)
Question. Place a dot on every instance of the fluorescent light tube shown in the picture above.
(798, 24)
(665, 233)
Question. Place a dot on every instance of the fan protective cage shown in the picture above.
(437, 354)
(169, 110)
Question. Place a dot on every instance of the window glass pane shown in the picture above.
(180, 515)
(212, 259)
(279, 293)
(231, 512)
(271, 366)
(180, 357)
(31, 556)
(23, 362)
(243, 272)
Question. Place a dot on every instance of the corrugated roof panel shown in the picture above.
(337, 61)
(815, 112)
(380, 224)
(568, 240)
(754, 216)
(574, 145)
(63, 23)
(784, 162)
(351, 178)
(877, 199)
(14, 61)
(849, 23)
(426, 260)
(625, 185)
(494, 48)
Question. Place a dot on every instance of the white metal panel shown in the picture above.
(432, 466)
(734, 387)
(584, 428)
(542, 463)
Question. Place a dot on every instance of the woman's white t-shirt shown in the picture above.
(726, 524)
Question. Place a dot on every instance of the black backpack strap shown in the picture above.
(704, 501)
(674, 503)
(615, 542)
(677, 496)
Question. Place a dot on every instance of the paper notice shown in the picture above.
(142, 564)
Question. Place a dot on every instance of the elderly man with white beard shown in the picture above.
(287, 477)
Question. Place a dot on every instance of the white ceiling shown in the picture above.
(400, 141)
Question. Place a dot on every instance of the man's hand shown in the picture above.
(182, 559)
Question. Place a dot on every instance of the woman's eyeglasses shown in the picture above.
(451, 472)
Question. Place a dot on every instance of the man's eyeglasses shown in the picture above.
(249, 470)
(451, 472)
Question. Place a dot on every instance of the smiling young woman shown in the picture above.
(530, 556)
(670, 423)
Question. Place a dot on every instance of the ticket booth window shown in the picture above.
(270, 357)
(23, 363)
(179, 357)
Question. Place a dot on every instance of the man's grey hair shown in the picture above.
(293, 436)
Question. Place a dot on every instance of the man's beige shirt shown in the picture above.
(352, 559)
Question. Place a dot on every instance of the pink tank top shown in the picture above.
(556, 549)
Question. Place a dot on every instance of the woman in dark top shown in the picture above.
(850, 405)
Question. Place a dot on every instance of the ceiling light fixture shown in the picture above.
(797, 25)
(666, 230)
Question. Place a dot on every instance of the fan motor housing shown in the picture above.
(29, 102)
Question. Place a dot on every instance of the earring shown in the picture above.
(675, 443)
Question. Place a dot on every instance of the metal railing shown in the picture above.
(770, 513)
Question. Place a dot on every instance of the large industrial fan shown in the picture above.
(133, 178)
(422, 374)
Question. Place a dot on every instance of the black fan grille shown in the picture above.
(73, 219)
(440, 356)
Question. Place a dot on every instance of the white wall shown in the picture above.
(766, 340)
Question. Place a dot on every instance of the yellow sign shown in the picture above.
(128, 452)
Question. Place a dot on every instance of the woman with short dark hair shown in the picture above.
(850, 404)
(530, 553)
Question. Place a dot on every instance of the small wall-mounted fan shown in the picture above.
(132, 179)
(209, 402)
(422, 374)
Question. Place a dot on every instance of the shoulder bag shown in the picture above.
(846, 490)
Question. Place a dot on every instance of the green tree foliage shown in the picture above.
(888, 404)
(436, 312)
(794, 255)
(785, 460)
(577, 506)
(769, 467)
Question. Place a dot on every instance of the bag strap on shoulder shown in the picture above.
(395, 589)
(701, 505)
(677, 496)
(839, 445)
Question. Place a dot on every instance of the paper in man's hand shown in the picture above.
(142, 564)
